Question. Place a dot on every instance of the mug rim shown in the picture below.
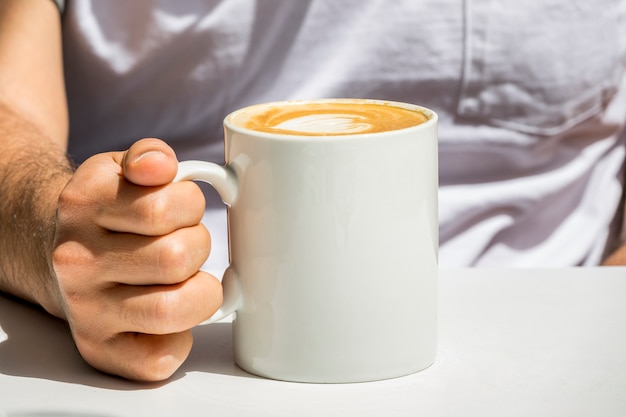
(430, 114)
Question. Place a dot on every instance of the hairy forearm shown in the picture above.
(33, 171)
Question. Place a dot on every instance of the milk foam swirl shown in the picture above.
(326, 123)
(332, 118)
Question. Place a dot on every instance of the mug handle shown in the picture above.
(224, 180)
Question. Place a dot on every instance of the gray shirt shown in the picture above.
(531, 97)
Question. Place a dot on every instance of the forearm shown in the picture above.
(33, 139)
(33, 171)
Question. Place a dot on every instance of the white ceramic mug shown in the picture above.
(333, 249)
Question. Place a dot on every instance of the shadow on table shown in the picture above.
(38, 345)
(213, 352)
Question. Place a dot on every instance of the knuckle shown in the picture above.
(80, 202)
(90, 350)
(69, 200)
(165, 209)
(138, 357)
(156, 211)
(69, 257)
(165, 309)
(173, 257)
(64, 255)
(162, 358)
(85, 186)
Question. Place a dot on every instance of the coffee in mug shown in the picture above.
(326, 118)
(332, 218)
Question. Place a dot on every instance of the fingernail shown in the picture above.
(147, 155)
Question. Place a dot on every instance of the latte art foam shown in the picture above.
(326, 123)
(332, 118)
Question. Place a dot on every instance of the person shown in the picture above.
(531, 99)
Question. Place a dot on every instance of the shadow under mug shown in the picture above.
(333, 251)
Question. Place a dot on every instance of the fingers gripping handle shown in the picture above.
(224, 180)
(233, 297)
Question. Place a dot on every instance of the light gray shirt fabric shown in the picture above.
(531, 97)
(60, 4)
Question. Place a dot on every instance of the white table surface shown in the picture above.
(512, 342)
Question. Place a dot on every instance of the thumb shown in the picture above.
(150, 162)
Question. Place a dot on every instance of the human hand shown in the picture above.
(128, 246)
